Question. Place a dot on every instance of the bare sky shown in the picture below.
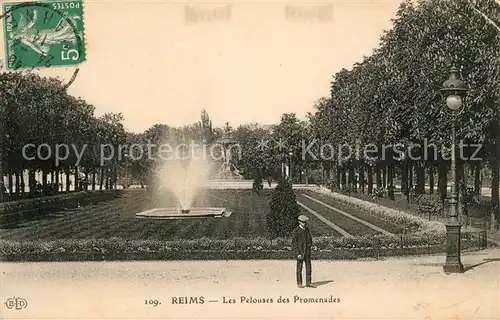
(145, 60)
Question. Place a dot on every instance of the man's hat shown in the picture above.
(303, 218)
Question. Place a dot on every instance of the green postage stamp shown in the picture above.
(43, 34)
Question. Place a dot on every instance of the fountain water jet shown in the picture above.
(185, 177)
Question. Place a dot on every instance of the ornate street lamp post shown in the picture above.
(454, 91)
(290, 167)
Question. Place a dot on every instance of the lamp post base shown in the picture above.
(453, 262)
(453, 267)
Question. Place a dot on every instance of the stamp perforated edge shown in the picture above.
(3, 61)
(84, 34)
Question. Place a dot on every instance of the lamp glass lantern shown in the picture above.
(454, 90)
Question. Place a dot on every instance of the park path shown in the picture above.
(366, 223)
(396, 288)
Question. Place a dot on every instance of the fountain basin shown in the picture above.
(175, 213)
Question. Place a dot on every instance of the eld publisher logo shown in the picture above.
(16, 303)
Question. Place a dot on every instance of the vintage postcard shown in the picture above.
(165, 159)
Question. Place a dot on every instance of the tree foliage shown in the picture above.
(39, 116)
(283, 210)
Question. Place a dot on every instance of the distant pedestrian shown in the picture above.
(269, 181)
(258, 185)
(301, 245)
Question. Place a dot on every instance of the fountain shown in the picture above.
(227, 170)
(184, 177)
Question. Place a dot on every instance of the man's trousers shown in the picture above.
(307, 261)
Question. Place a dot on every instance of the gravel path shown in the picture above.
(402, 288)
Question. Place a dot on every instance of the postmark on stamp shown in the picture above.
(43, 34)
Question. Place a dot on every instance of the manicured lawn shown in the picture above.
(358, 213)
(350, 226)
(116, 218)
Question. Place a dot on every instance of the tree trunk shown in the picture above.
(10, 182)
(57, 181)
(322, 168)
(107, 179)
(378, 177)
(384, 176)
(362, 176)
(431, 179)
(23, 184)
(355, 180)
(344, 178)
(44, 182)
(112, 177)
(477, 178)
(370, 179)
(404, 178)
(494, 194)
(93, 178)
(351, 177)
(85, 182)
(338, 176)
(443, 180)
(32, 182)
(460, 172)
(327, 169)
(420, 169)
(410, 175)
(390, 181)
(68, 179)
(461, 179)
(77, 181)
(18, 182)
(101, 178)
(115, 177)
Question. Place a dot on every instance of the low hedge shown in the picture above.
(429, 205)
(326, 247)
(336, 254)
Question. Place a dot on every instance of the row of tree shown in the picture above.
(43, 128)
(393, 96)
(390, 97)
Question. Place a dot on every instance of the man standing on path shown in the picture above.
(301, 244)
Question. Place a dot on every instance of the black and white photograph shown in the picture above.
(174, 159)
